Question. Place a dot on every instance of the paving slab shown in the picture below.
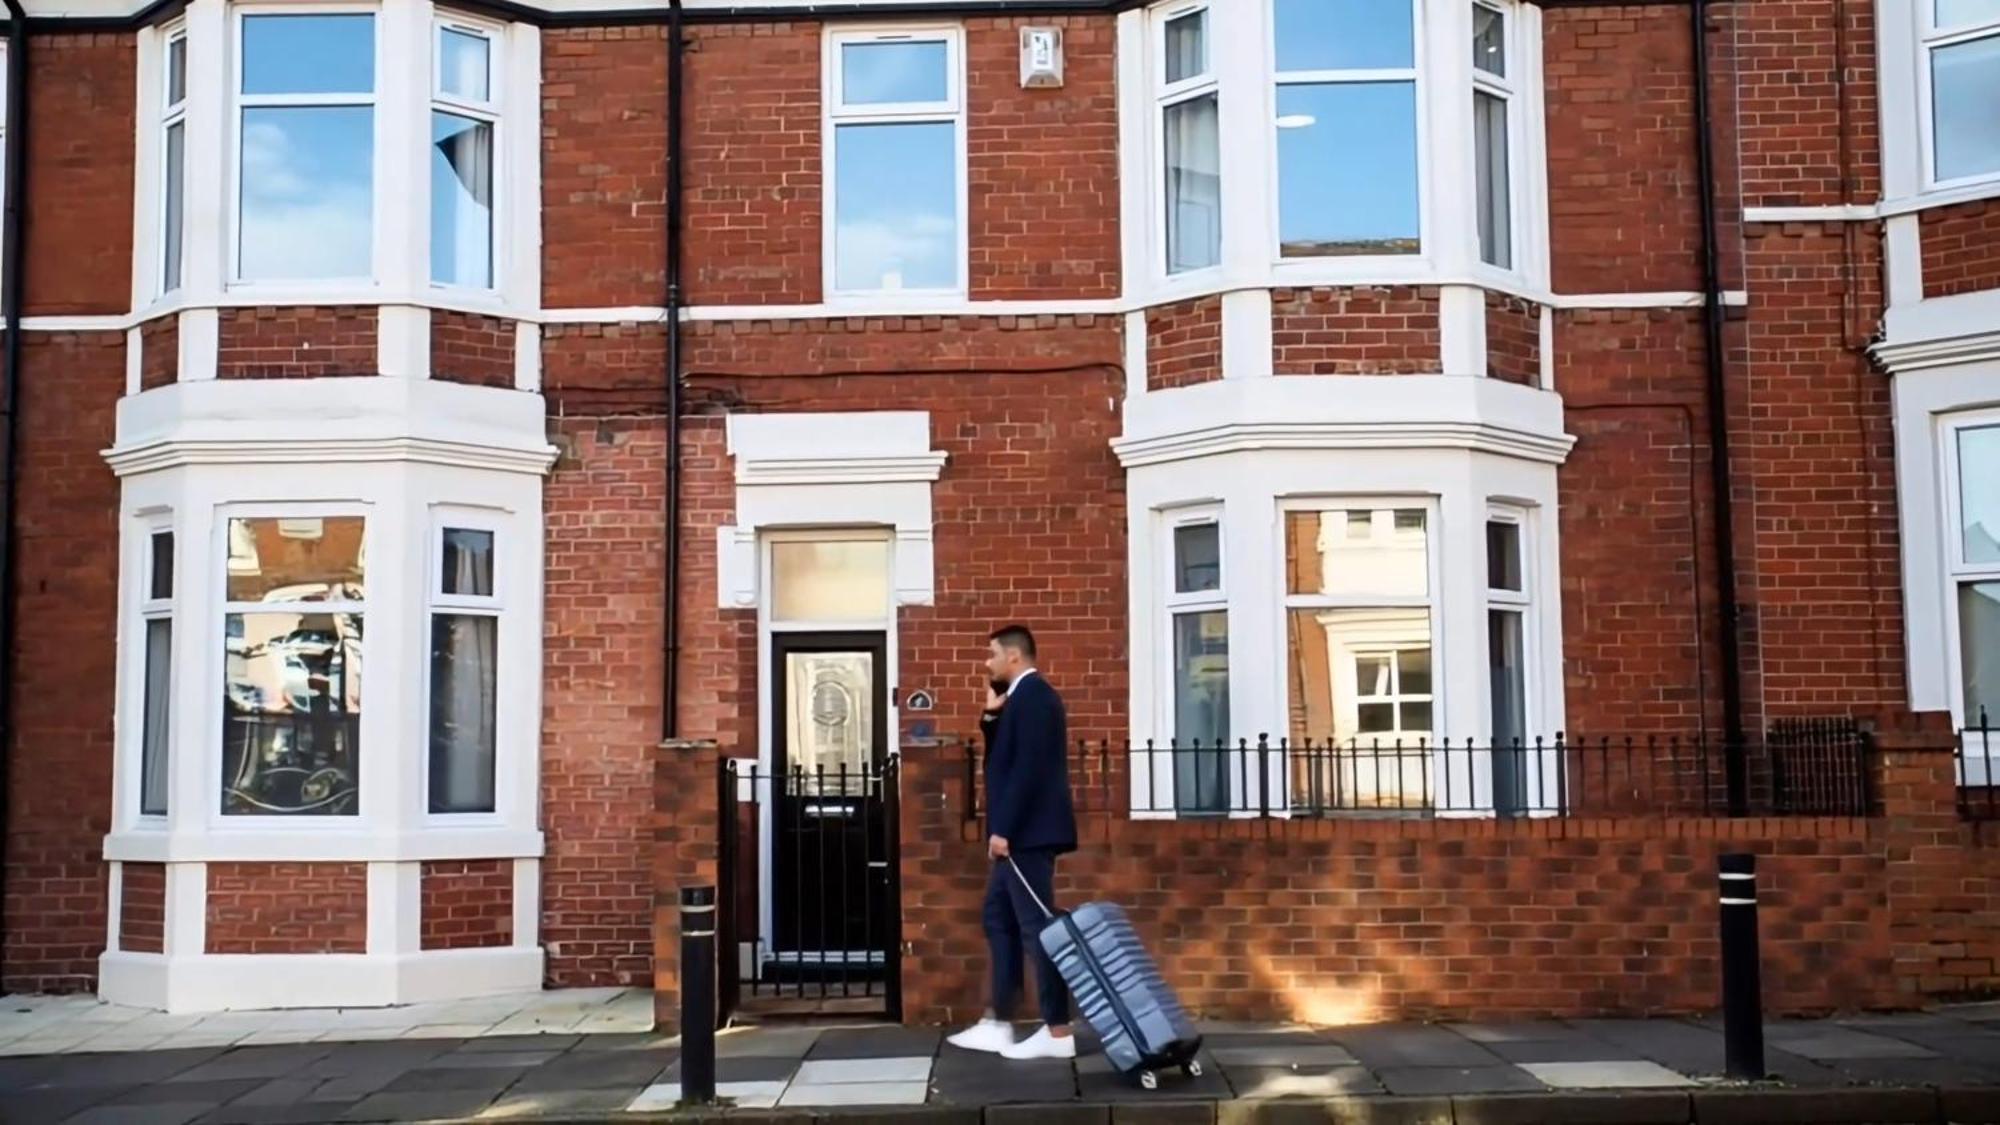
(427, 1105)
(46, 1107)
(1412, 1045)
(1048, 1114)
(1579, 1049)
(1530, 1031)
(1449, 1080)
(766, 1042)
(216, 1092)
(747, 1095)
(1285, 1054)
(1615, 1075)
(302, 1113)
(875, 1043)
(1301, 1082)
(1098, 1082)
(855, 1094)
(970, 1078)
(490, 1060)
(822, 1072)
(557, 1103)
(596, 1071)
(156, 1113)
(551, 1042)
(741, 1070)
(254, 1062)
(133, 1069)
(1826, 1044)
(433, 1080)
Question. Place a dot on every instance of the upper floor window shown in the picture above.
(1187, 93)
(896, 188)
(1962, 60)
(1492, 126)
(173, 159)
(305, 146)
(1346, 73)
(464, 114)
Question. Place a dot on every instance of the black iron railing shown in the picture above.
(1809, 768)
(1978, 779)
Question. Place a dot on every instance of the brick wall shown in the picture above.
(142, 908)
(159, 352)
(467, 904)
(78, 255)
(1817, 474)
(1184, 344)
(1805, 75)
(1513, 339)
(891, 345)
(59, 805)
(1640, 651)
(1961, 248)
(287, 908)
(604, 153)
(296, 343)
(1044, 163)
(1367, 330)
(468, 348)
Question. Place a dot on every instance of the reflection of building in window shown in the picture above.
(1976, 572)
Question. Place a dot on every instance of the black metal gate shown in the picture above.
(811, 891)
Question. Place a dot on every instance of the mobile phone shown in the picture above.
(999, 687)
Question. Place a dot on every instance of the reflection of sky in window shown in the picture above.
(461, 200)
(1347, 182)
(1979, 493)
(892, 73)
(1965, 94)
(1959, 13)
(307, 180)
(465, 73)
(309, 54)
(896, 190)
(1344, 34)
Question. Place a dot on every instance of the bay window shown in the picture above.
(1191, 142)
(1198, 621)
(896, 137)
(292, 646)
(464, 673)
(464, 115)
(1961, 63)
(1492, 112)
(1515, 788)
(1346, 74)
(305, 153)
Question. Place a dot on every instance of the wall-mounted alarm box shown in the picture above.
(1041, 57)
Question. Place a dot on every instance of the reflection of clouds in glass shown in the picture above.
(308, 177)
(886, 73)
(1962, 13)
(1979, 493)
(1965, 96)
(896, 190)
(1347, 183)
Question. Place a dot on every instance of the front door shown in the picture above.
(830, 877)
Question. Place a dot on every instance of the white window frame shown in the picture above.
(437, 603)
(172, 114)
(1505, 89)
(1520, 603)
(1175, 604)
(151, 609)
(215, 636)
(237, 102)
(835, 113)
(1416, 75)
(490, 111)
(1932, 38)
(1958, 572)
(1165, 96)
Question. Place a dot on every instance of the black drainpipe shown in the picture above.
(670, 708)
(1718, 426)
(12, 227)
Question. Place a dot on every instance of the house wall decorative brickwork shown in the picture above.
(466, 348)
(1959, 248)
(1364, 331)
(467, 904)
(1513, 339)
(296, 343)
(287, 907)
(142, 908)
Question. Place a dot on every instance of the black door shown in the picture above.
(830, 869)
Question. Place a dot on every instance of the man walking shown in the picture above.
(1030, 821)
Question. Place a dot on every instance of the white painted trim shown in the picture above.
(1246, 334)
(1903, 260)
(527, 356)
(1940, 331)
(1462, 330)
(1682, 299)
(1827, 213)
(134, 361)
(230, 982)
(403, 342)
(527, 903)
(1136, 359)
(322, 844)
(114, 906)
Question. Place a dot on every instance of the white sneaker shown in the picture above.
(1041, 1045)
(991, 1036)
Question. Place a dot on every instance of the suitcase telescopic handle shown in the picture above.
(1046, 912)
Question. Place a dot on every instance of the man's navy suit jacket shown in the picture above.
(1027, 771)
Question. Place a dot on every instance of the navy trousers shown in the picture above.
(1013, 923)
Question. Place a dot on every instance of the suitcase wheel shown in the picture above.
(1192, 1069)
(1149, 1080)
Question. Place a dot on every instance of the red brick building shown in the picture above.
(1390, 373)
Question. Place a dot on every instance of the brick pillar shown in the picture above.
(1935, 922)
(685, 825)
(944, 879)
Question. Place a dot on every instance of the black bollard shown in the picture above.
(1742, 988)
(698, 995)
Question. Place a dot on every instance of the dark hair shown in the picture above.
(1015, 637)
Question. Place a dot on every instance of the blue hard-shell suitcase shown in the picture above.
(1119, 990)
